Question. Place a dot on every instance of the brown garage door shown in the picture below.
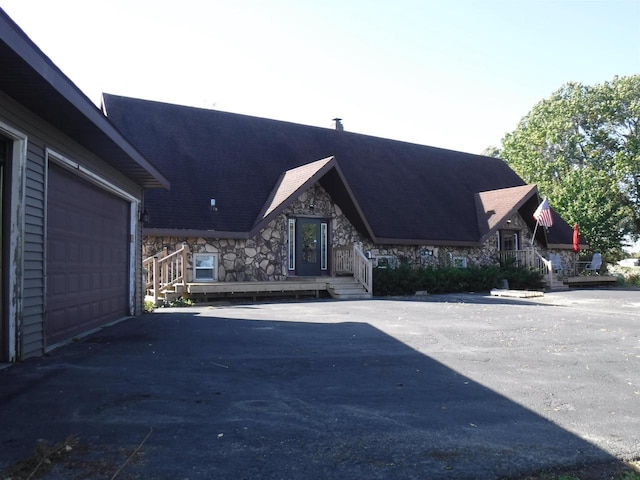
(87, 256)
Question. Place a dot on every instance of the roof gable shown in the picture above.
(494, 207)
(295, 181)
(291, 184)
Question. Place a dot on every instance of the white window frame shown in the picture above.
(385, 261)
(324, 246)
(212, 278)
(292, 244)
(459, 262)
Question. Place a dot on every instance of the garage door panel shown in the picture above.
(87, 256)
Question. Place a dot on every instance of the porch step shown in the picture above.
(346, 288)
(164, 295)
(557, 285)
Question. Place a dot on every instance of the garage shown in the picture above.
(87, 256)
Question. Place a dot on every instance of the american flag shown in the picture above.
(543, 214)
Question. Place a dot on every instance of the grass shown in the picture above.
(76, 459)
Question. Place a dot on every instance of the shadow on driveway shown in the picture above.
(257, 399)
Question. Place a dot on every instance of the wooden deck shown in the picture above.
(166, 276)
(303, 287)
(345, 288)
(591, 280)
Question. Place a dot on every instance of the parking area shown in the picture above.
(450, 386)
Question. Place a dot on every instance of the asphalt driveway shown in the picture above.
(443, 387)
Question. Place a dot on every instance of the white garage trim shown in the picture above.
(16, 241)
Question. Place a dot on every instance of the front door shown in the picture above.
(509, 240)
(311, 247)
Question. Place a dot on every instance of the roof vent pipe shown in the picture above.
(337, 124)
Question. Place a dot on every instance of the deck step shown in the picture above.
(346, 288)
(558, 285)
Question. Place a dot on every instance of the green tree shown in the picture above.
(582, 147)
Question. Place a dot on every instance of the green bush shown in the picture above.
(632, 279)
(178, 302)
(406, 280)
(149, 306)
(627, 276)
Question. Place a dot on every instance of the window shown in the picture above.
(460, 262)
(323, 246)
(292, 244)
(385, 261)
(205, 267)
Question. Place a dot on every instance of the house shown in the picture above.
(259, 200)
(71, 188)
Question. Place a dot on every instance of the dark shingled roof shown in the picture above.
(392, 191)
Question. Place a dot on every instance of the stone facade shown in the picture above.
(431, 255)
(264, 257)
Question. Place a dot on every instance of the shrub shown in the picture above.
(149, 306)
(406, 280)
(178, 302)
(627, 276)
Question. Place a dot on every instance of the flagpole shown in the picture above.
(533, 238)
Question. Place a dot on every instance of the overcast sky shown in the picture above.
(457, 74)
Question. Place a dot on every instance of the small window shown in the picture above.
(460, 262)
(205, 267)
(385, 261)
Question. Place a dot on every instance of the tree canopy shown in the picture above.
(581, 147)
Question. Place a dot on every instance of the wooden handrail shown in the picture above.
(546, 267)
(362, 268)
(350, 260)
(166, 270)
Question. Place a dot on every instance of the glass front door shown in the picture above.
(311, 247)
(509, 240)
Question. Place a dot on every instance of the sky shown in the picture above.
(456, 74)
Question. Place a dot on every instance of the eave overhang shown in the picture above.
(33, 80)
(192, 233)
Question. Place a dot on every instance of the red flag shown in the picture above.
(543, 214)
(576, 238)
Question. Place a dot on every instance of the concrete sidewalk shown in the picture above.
(464, 386)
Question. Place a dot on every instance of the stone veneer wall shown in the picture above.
(264, 257)
(430, 255)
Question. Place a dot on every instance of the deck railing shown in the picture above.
(362, 268)
(528, 259)
(343, 260)
(519, 258)
(352, 261)
(546, 268)
(165, 271)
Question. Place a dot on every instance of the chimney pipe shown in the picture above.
(337, 124)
